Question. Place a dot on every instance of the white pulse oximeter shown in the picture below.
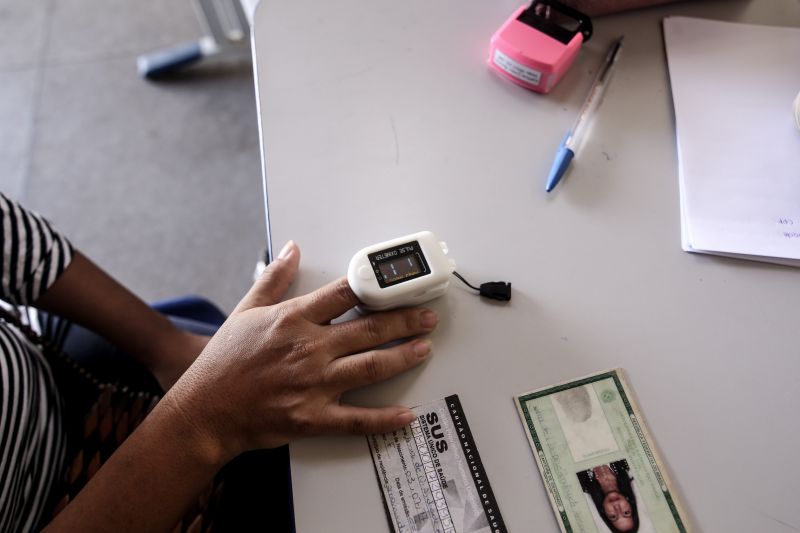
(401, 272)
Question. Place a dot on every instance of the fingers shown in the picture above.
(348, 419)
(373, 330)
(273, 283)
(377, 365)
(329, 302)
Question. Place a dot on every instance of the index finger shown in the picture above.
(328, 302)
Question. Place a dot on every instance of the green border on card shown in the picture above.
(546, 473)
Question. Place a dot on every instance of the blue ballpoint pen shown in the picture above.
(566, 151)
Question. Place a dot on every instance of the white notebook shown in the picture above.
(733, 86)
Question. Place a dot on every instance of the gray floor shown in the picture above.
(159, 183)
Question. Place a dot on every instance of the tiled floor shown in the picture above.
(157, 182)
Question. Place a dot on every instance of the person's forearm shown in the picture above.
(86, 295)
(151, 480)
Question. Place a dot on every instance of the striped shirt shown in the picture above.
(32, 438)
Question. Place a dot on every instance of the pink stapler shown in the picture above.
(538, 43)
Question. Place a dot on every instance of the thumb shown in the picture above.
(273, 283)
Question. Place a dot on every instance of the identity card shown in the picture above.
(598, 462)
(431, 474)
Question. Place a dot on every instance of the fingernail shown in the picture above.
(422, 348)
(428, 319)
(286, 250)
(406, 418)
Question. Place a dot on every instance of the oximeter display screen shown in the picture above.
(398, 269)
(398, 264)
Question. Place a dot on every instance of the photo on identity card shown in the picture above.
(597, 459)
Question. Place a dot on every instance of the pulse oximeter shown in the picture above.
(538, 43)
(401, 272)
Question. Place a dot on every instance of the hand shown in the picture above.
(275, 372)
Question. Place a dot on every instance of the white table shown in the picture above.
(381, 118)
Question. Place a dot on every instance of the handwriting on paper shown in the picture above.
(789, 228)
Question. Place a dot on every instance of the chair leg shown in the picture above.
(164, 62)
(226, 29)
